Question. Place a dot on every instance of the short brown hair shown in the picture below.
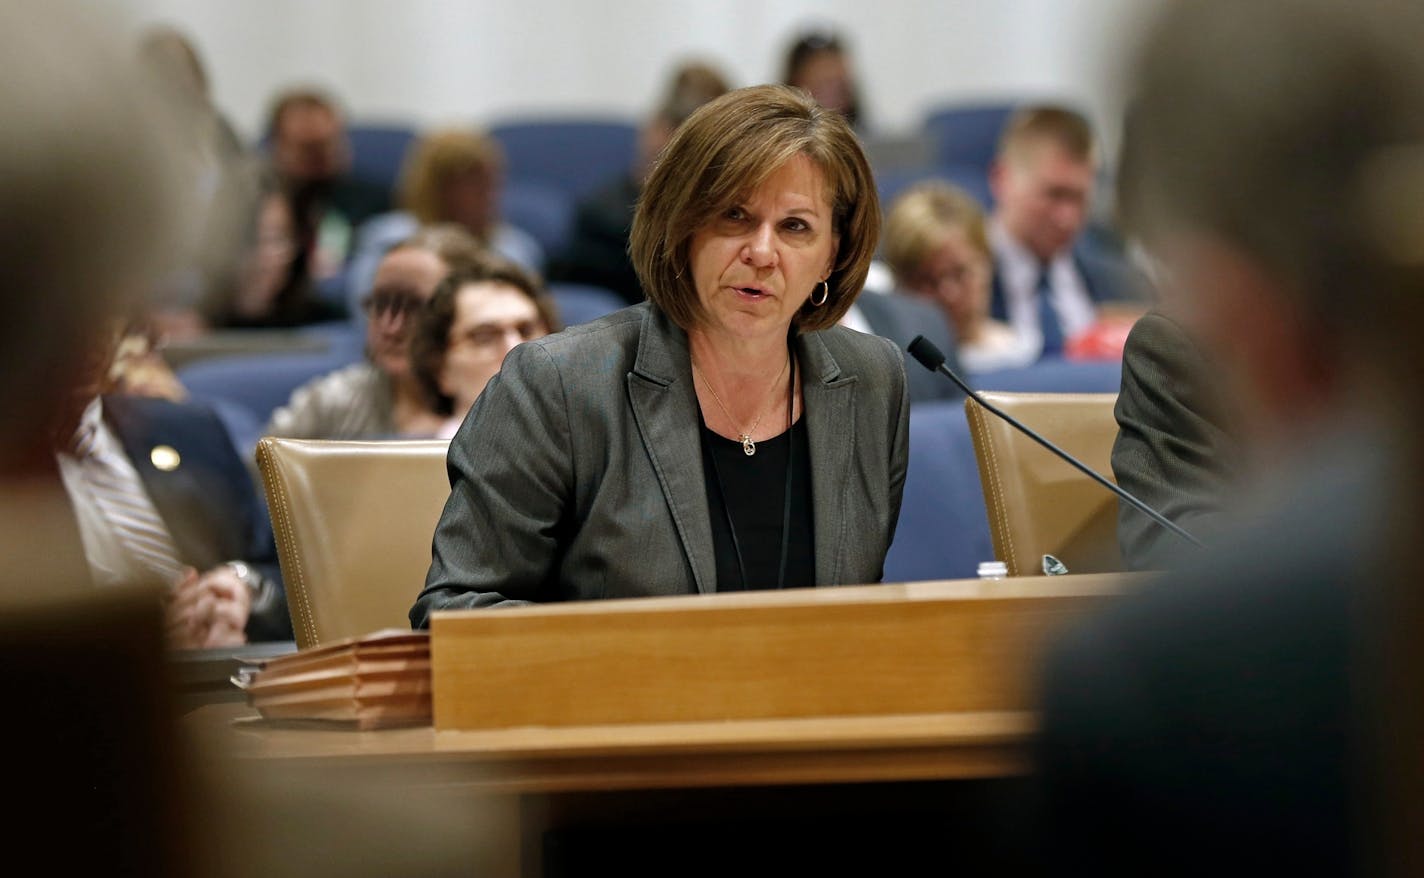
(724, 151)
(453, 243)
(921, 216)
(1067, 129)
(435, 160)
(431, 335)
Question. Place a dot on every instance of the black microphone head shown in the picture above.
(923, 349)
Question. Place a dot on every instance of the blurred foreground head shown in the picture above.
(87, 209)
(1274, 161)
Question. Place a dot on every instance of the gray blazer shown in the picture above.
(578, 473)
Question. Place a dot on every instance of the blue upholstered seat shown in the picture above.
(1055, 376)
(944, 530)
(544, 211)
(258, 382)
(967, 133)
(377, 151)
(892, 184)
(580, 303)
(574, 155)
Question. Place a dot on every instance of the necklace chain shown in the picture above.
(748, 446)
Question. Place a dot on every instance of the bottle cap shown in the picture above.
(993, 570)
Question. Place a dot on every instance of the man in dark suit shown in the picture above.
(1049, 275)
(1258, 712)
(1176, 447)
(160, 494)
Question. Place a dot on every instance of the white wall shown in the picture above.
(434, 61)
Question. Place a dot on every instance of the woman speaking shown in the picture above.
(723, 435)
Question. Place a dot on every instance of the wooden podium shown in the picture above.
(931, 648)
(632, 707)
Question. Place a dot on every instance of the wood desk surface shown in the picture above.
(628, 757)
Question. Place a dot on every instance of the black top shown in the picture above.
(749, 493)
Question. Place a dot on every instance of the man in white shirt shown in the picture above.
(1042, 181)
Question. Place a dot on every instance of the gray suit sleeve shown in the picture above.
(502, 534)
(1172, 450)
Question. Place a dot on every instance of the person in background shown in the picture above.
(161, 494)
(221, 179)
(937, 250)
(1257, 710)
(819, 62)
(1049, 289)
(268, 287)
(310, 155)
(380, 397)
(451, 176)
(699, 441)
(1178, 442)
(597, 252)
(474, 319)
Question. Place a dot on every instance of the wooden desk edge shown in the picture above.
(736, 753)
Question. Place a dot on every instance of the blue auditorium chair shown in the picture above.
(944, 529)
(257, 382)
(546, 212)
(1055, 376)
(967, 133)
(891, 184)
(377, 152)
(573, 154)
(580, 303)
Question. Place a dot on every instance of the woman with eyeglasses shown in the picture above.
(476, 316)
(380, 397)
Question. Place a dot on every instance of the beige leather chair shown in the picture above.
(1038, 504)
(354, 523)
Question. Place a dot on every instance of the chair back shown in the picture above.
(354, 523)
(575, 155)
(378, 151)
(967, 133)
(1037, 503)
(581, 303)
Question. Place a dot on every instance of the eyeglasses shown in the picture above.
(491, 335)
(378, 305)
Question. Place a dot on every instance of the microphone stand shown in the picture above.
(931, 358)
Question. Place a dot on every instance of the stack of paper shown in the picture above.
(381, 679)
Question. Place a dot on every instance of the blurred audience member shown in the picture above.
(819, 62)
(269, 287)
(1047, 288)
(1177, 442)
(477, 315)
(311, 156)
(220, 177)
(597, 252)
(937, 249)
(381, 398)
(451, 176)
(1258, 710)
(161, 495)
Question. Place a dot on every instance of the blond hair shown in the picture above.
(920, 218)
(438, 158)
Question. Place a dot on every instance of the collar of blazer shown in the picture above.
(665, 407)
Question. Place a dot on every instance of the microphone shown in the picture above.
(931, 358)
